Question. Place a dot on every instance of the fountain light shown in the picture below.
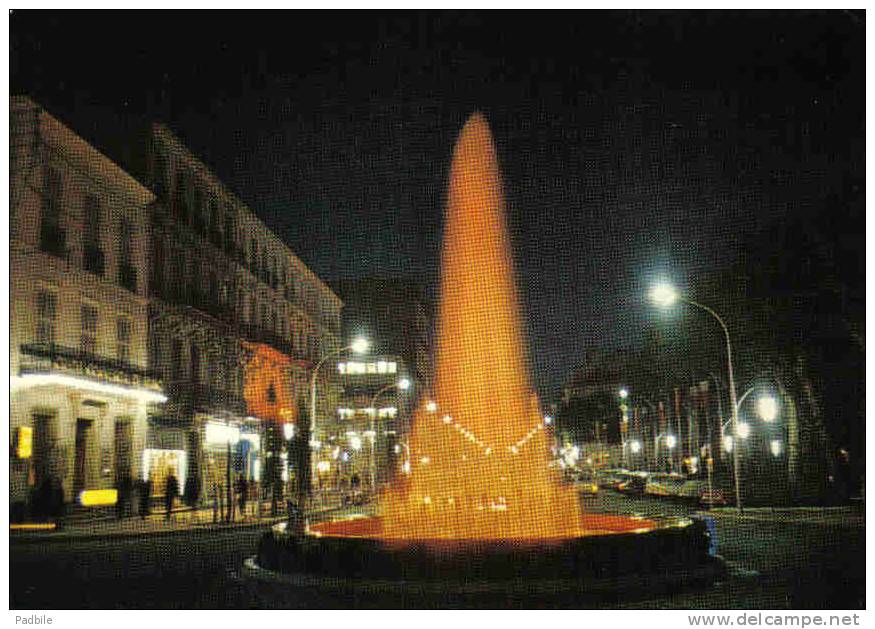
(743, 430)
(635, 446)
(404, 384)
(447, 419)
(728, 443)
(776, 447)
(670, 441)
(288, 431)
(431, 406)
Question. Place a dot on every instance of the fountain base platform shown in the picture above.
(619, 557)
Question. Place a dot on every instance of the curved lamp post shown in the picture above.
(402, 385)
(359, 346)
(665, 295)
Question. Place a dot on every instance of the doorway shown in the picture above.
(80, 467)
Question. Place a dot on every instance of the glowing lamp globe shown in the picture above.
(663, 295)
(404, 384)
(767, 407)
(360, 345)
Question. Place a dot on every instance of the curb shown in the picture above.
(61, 536)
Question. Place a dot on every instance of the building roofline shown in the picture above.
(66, 137)
(166, 133)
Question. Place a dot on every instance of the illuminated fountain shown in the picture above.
(479, 505)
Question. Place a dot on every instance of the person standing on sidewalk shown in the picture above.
(171, 490)
(242, 487)
(145, 496)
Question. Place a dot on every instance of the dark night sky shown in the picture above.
(337, 130)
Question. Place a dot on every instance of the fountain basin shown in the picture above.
(618, 554)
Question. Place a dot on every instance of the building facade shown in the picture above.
(81, 390)
(364, 440)
(236, 322)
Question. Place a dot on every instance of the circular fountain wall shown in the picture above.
(478, 505)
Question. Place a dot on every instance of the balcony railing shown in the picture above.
(206, 397)
(40, 358)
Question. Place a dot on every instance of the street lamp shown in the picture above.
(665, 295)
(359, 346)
(767, 407)
(402, 385)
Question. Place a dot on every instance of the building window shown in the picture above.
(180, 197)
(198, 210)
(176, 360)
(127, 274)
(195, 364)
(158, 176)
(93, 260)
(229, 233)
(46, 307)
(88, 334)
(123, 339)
(52, 237)
(157, 266)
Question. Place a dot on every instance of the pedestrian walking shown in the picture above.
(171, 490)
(242, 487)
(145, 497)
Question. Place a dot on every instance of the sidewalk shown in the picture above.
(850, 516)
(181, 520)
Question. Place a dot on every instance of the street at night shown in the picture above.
(437, 309)
(809, 560)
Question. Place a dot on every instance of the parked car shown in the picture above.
(634, 484)
(587, 486)
(713, 498)
(693, 490)
(612, 478)
(664, 484)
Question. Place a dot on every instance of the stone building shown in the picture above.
(222, 286)
(79, 239)
(367, 434)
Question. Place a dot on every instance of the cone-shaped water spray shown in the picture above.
(479, 460)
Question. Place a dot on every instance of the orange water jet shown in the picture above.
(479, 460)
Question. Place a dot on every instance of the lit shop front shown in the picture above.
(231, 449)
(81, 420)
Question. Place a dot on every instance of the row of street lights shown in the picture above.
(359, 346)
(665, 296)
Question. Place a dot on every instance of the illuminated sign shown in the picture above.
(24, 448)
(98, 497)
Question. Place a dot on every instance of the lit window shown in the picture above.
(341, 367)
(381, 366)
(372, 367)
(392, 367)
